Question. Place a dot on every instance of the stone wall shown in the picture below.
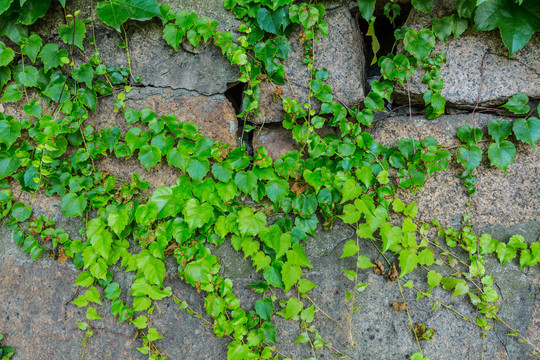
(35, 310)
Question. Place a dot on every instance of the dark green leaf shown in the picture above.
(33, 10)
(12, 94)
(517, 23)
(366, 8)
(8, 164)
(115, 12)
(528, 130)
(518, 104)
(264, 308)
(499, 129)
(470, 157)
(502, 155)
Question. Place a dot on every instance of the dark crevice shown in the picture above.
(235, 95)
(384, 30)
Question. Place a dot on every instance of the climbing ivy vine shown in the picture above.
(56, 149)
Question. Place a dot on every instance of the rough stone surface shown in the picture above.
(340, 53)
(205, 70)
(214, 115)
(153, 59)
(279, 141)
(477, 66)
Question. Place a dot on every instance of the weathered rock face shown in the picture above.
(477, 66)
(340, 53)
(214, 115)
(279, 141)
(204, 70)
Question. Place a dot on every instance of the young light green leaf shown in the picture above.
(349, 249)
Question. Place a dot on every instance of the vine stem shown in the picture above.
(402, 296)
(518, 334)
(351, 311)
(310, 342)
(322, 311)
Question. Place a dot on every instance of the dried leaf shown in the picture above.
(62, 256)
(298, 188)
(170, 249)
(379, 269)
(399, 305)
(393, 273)
(277, 91)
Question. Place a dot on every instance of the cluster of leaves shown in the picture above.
(6, 352)
(347, 175)
(517, 20)
(501, 151)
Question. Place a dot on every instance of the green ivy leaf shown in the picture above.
(272, 274)
(443, 28)
(10, 131)
(33, 10)
(115, 12)
(499, 129)
(264, 308)
(73, 205)
(459, 285)
(276, 190)
(502, 155)
(469, 157)
(141, 322)
(149, 156)
(84, 279)
(290, 274)
(363, 262)
(528, 130)
(304, 286)
(390, 236)
(84, 74)
(222, 172)
(517, 23)
(434, 279)
(72, 36)
(366, 8)
(423, 5)
(350, 249)
(198, 271)
(196, 215)
(468, 135)
(91, 314)
(269, 332)
(408, 261)
(265, 21)
(250, 223)
(31, 47)
(51, 56)
(167, 200)
(292, 309)
(198, 168)
(419, 44)
(12, 94)
(6, 54)
(173, 35)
